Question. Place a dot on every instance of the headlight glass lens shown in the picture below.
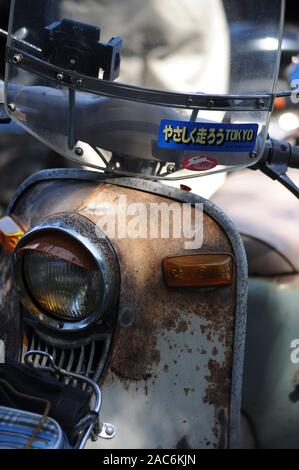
(63, 281)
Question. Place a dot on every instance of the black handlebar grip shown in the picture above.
(279, 152)
(294, 158)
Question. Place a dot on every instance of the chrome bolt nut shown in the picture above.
(17, 58)
(79, 152)
(110, 431)
(171, 169)
(60, 77)
(12, 107)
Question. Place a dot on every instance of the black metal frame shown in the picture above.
(72, 80)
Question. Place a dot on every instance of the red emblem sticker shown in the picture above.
(200, 163)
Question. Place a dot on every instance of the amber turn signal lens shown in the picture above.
(204, 270)
(10, 233)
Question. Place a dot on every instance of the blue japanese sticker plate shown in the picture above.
(209, 137)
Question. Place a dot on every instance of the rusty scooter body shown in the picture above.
(159, 326)
(175, 360)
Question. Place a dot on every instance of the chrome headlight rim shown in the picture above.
(82, 230)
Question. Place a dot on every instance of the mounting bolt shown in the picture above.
(110, 431)
(211, 103)
(79, 82)
(171, 169)
(253, 155)
(17, 58)
(60, 77)
(126, 318)
(260, 103)
(190, 101)
(79, 152)
(12, 107)
(72, 61)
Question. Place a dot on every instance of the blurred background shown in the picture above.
(21, 155)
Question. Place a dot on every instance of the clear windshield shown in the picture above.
(163, 89)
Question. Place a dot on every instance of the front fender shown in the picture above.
(174, 375)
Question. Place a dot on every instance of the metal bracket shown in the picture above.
(104, 431)
(275, 164)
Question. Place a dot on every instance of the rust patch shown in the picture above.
(296, 379)
(10, 325)
(183, 443)
(215, 351)
(182, 327)
(294, 395)
(218, 392)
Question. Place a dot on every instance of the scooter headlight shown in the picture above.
(70, 289)
(65, 278)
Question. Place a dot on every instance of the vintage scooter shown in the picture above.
(114, 284)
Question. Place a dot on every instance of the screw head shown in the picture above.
(171, 169)
(253, 155)
(72, 61)
(110, 430)
(79, 82)
(79, 152)
(12, 107)
(17, 58)
(60, 76)
(211, 103)
(190, 101)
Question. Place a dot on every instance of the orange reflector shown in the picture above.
(199, 270)
(280, 103)
(10, 233)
